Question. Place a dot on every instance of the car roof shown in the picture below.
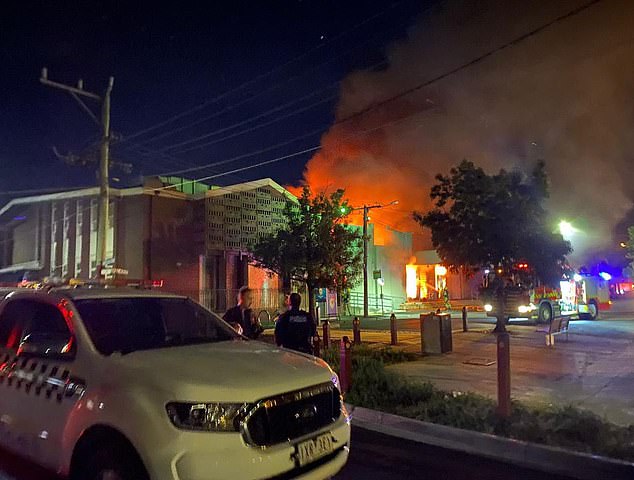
(4, 291)
(83, 293)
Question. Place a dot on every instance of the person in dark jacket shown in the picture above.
(295, 328)
(242, 315)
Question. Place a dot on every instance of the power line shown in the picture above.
(245, 155)
(188, 182)
(251, 119)
(248, 130)
(242, 169)
(254, 80)
(471, 63)
(379, 104)
(478, 59)
(244, 101)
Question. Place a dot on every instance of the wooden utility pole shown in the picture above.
(366, 211)
(104, 178)
(104, 157)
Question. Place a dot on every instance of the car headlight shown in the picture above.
(212, 417)
(488, 307)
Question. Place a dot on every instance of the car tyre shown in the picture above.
(545, 314)
(111, 462)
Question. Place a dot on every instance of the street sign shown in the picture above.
(331, 306)
(377, 274)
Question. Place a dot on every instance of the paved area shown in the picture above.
(593, 369)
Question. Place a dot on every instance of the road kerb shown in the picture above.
(539, 457)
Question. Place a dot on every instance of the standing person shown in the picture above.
(243, 315)
(295, 328)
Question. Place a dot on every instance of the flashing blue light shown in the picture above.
(605, 276)
(19, 218)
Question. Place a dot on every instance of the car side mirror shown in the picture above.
(58, 346)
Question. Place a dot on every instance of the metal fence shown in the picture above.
(376, 304)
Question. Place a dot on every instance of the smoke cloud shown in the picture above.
(564, 95)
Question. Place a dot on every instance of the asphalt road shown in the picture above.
(374, 456)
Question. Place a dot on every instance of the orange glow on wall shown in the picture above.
(381, 235)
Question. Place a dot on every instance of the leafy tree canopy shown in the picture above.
(316, 246)
(494, 220)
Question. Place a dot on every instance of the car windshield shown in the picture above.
(129, 324)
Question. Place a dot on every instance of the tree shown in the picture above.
(316, 246)
(499, 220)
(482, 220)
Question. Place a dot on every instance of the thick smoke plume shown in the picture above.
(564, 95)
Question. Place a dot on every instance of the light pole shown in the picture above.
(366, 210)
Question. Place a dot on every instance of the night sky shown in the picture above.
(171, 58)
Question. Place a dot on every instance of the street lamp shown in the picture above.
(366, 210)
(566, 229)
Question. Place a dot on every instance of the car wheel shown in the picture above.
(545, 313)
(111, 462)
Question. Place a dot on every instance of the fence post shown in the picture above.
(316, 346)
(504, 374)
(326, 333)
(393, 330)
(465, 326)
(345, 370)
(356, 331)
(422, 333)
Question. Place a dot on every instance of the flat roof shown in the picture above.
(92, 192)
(246, 186)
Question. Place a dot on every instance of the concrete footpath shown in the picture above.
(594, 369)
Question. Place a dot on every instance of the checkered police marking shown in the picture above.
(35, 377)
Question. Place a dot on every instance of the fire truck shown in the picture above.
(580, 295)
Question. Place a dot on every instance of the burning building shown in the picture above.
(562, 95)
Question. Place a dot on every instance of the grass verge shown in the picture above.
(560, 426)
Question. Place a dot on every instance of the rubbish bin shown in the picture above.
(436, 333)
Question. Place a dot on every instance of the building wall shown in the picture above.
(236, 219)
(132, 230)
(24, 239)
(175, 244)
(388, 251)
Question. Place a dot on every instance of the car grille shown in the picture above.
(292, 415)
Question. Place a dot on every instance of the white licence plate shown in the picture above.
(314, 449)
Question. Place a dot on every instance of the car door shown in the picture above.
(40, 379)
(49, 368)
(13, 434)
